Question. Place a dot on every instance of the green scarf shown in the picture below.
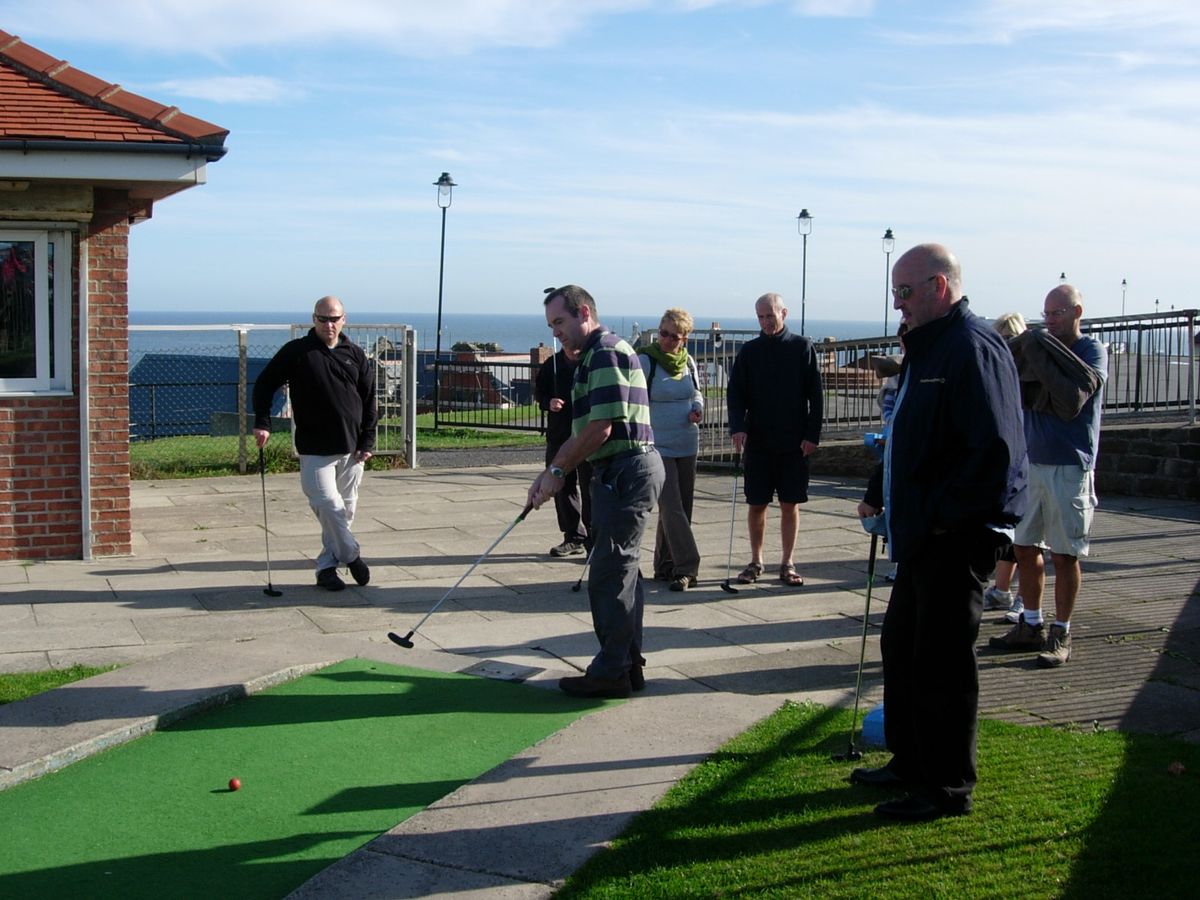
(673, 363)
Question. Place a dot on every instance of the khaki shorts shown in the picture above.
(1062, 500)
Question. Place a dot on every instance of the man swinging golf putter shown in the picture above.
(611, 430)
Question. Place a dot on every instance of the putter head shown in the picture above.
(271, 592)
(578, 586)
(851, 755)
(405, 642)
(728, 588)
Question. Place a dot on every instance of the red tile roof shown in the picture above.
(46, 98)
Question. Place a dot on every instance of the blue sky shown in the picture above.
(658, 152)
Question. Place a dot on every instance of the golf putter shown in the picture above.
(269, 590)
(725, 585)
(583, 574)
(406, 641)
(874, 525)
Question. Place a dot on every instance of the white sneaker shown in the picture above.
(994, 598)
(1014, 612)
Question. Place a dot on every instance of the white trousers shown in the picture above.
(331, 485)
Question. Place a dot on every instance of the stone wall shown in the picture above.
(1135, 460)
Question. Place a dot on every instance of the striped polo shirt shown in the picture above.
(610, 385)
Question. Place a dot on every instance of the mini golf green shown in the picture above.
(327, 762)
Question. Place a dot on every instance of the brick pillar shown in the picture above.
(108, 390)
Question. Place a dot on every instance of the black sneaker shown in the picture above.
(360, 570)
(683, 582)
(568, 548)
(328, 579)
(601, 688)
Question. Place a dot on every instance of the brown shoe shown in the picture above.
(1058, 648)
(1021, 636)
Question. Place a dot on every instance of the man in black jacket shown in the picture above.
(573, 504)
(775, 411)
(331, 385)
(953, 486)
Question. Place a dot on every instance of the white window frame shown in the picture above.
(45, 381)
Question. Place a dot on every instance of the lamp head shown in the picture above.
(804, 222)
(889, 242)
(445, 186)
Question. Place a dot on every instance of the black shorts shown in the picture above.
(768, 474)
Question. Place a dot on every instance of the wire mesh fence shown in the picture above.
(191, 402)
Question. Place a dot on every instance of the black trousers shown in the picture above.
(573, 503)
(930, 675)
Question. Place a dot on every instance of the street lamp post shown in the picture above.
(889, 244)
(445, 186)
(804, 225)
(1124, 285)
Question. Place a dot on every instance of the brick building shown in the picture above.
(81, 161)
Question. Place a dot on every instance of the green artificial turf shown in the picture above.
(1057, 814)
(327, 762)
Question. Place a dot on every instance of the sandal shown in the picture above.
(750, 574)
(789, 576)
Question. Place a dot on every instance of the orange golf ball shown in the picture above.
(235, 784)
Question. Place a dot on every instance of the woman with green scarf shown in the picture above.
(676, 408)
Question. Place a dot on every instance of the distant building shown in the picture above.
(81, 161)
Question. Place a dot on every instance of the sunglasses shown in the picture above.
(662, 332)
(904, 291)
(328, 320)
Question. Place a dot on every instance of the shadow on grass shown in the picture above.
(1058, 813)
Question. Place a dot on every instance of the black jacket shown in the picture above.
(332, 394)
(554, 379)
(957, 443)
(774, 393)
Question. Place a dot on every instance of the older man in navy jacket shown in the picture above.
(953, 486)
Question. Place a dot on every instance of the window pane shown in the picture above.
(18, 337)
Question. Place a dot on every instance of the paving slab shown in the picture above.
(187, 617)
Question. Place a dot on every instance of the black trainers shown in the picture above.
(683, 582)
(1021, 636)
(601, 688)
(568, 548)
(328, 579)
(917, 808)
(360, 570)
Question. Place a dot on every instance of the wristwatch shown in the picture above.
(557, 472)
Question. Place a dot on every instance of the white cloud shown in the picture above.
(221, 26)
(227, 89)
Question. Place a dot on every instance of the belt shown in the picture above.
(624, 454)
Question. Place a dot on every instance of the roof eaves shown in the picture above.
(60, 76)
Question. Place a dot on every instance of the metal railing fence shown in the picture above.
(195, 393)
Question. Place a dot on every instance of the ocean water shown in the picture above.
(514, 333)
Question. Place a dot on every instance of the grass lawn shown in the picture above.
(1057, 814)
(199, 456)
(19, 685)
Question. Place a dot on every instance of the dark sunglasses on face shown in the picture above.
(662, 332)
(904, 291)
(328, 320)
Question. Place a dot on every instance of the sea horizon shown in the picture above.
(514, 333)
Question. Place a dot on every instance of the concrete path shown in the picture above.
(188, 618)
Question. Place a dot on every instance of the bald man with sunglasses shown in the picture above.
(331, 386)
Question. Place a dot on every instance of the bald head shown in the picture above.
(926, 284)
(328, 319)
(771, 313)
(1063, 313)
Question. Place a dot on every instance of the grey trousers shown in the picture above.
(623, 496)
(331, 485)
(675, 550)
